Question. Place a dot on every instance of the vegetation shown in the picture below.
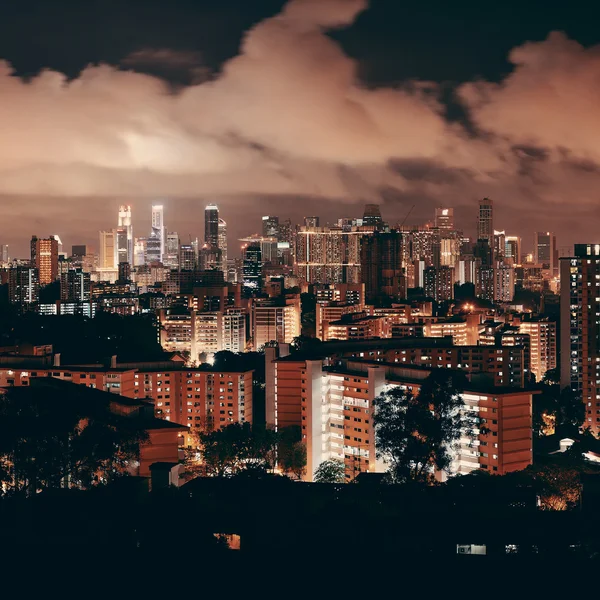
(50, 439)
(330, 471)
(416, 435)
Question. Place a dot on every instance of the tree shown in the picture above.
(291, 451)
(51, 438)
(238, 447)
(555, 410)
(330, 471)
(416, 435)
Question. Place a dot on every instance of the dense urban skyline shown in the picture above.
(515, 118)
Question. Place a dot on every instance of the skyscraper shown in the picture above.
(124, 222)
(444, 218)
(270, 226)
(222, 237)
(171, 258)
(23, 286)
(156, 244)
(545, 252)
(107, 259)
(75, 286)
(485, 221)
(372, 216)
(381, 265)
(311, 221)
(4, 257)
(580, 328)
(44, 257)
(512, 249)
(252, 269)
(211, 225)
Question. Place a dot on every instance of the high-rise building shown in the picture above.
(140, 248)
(328, 255)
(381, 265)
(44, 257)
(485, 221)
(171, 259)
(499, 244)
(23, 286)
(107, 259)
(580, 328)
(75, 286)
(156, 243)
(512, 249)
(187, 257)
(252, 269)
(542, 345)
(372, 216)
(504, 283)
(223, 244)
(444, 218)
(211, 225)
(545, 252)
(311, 221)
(275, 321)
(124, 222)
(4, 256)
(439, 283)
(270, 226)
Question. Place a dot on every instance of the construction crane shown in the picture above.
(407, 215)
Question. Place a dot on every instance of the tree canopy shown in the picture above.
(417, 435)
(330, 471)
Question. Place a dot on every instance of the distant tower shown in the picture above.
(270, 226)
(545, 252)
(311, 221)
(44, 258)
(252, 269)
(156, 244)
(372, 216)
(222, 237)
(444, 218)
(485, 221)
(124, 223)
(211, 225)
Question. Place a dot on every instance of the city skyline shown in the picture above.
(509, 144)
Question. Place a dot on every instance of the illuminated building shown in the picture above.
(381, 265)
(372, 216)
(75, 286)
(252, 269)
(44, 258)
(311, 222)
(444, 218)
(211, 225)
(512, 249)
(156, 242)
(270, 227)
(438, 283)
(326, 312)
(504, 283)
(23, 286)
(356, 326)
(140, 249)
(580, 328)
(171, 258)
(542, 345)
(187, 257)
(499, 245)
(346, 293)
(125, 243)
(222, 230)
(328, 255)
(485, 222)
(275, 320)
(334, 408)
(545, 252)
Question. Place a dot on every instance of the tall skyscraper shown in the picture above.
(4, 256)
(23, 286)
(270, 226)
(444, 218)
(171, 258)
(44, 257)
(512, 249)
(75, 286)
(156, 244)
(499, 244)
(545, 252)
(328, 255)
(211, 225)
(485, 221)
(311, 221)
(187, 257)
(438, 283)
(252, 269)
(580, 328)
(381, 265)
(124, 222)
(372, 216)
(222, 237)
(107, 259)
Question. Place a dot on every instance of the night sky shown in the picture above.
(317, 111)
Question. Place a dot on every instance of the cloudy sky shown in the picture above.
(296, 108)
